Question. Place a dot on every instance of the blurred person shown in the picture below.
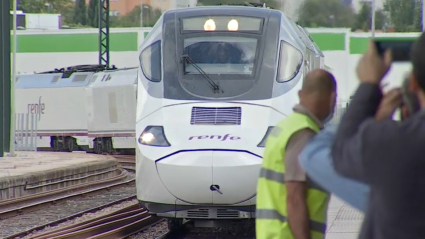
(317, 161)
(289, 205)
(222, 56)
(386, 155)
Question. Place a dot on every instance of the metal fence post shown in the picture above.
(27, 119)
(25, 132)
(5, 77)
(21, 138)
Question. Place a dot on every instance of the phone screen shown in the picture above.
(400, 48)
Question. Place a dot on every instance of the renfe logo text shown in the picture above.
(36, 108)
(219, 137)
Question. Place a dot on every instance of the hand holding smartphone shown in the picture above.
(409, 99)
(400, 48)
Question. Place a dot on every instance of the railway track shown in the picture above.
(12, 211)
(118, 224)
(127, 162)
(239, 230)
(19, 205)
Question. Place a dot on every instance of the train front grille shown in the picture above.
(216, 116)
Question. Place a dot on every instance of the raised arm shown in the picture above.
(347, 147)
(359, 131)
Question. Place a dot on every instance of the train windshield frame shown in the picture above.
(218, 52)
(221, 54)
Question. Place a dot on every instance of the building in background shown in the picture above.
(291, 7)
(123, 7)
(166, 5)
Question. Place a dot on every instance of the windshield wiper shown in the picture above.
(215, 86)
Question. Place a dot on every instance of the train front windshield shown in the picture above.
(219, 50)
(221, 45)
(220, 55)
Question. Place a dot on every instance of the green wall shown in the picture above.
(128, 41)
(74, 42)
(329, 41)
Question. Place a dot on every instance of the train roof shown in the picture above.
(234, 10)
(52, 80)
(112, 78)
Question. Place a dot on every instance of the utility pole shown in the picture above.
(4, 76)
(373, 18)
(423, 15)
(141, 13)
(12, 86)
(104, 33)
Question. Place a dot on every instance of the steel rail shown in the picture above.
(75, 215)
(118, 224)
(16, 205)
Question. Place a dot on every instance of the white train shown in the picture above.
(213, 81)
(80, 108)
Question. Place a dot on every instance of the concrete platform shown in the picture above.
(344, 221)
(34, 172)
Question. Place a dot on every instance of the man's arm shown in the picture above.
(316, 160)
(347, 148)
(296, 187)
(358, 136)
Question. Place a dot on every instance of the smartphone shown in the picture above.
(409, 99)
(400, 48)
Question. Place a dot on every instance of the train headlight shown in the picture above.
(209, 25)
(233, 25)
(154, 136)
(264, 140)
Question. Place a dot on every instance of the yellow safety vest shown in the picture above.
(271, 214)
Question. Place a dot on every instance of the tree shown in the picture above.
(364, 18)
(132, 19)
(80, 16)
(63, 7)
(93, 13)
(326, 13)
(405, 14)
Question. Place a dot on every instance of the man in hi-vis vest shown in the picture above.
(289, 205)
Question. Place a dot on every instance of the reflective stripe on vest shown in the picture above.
(280, 178)
(271, 213)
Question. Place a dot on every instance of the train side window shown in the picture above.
(150, 62)
(290, 61)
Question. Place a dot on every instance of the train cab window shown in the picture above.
(290, 61)
(220, 55)
(150, 62)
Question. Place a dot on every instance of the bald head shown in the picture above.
(318, 93)
(319, 81)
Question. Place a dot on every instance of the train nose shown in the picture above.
(210, 177)
(236, 173)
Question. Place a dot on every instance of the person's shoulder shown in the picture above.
(305, 132)
(301, 137)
